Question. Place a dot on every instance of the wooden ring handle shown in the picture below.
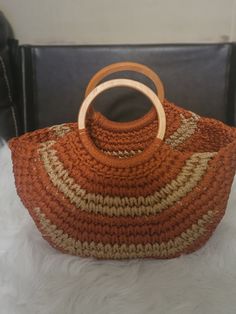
(127, 66)
(127, 83)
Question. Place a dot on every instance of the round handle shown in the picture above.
(126, 83)
(127, 66)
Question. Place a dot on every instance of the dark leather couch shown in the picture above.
(49, 82)
(8, 115)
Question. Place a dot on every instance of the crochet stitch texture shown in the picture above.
(166, 204)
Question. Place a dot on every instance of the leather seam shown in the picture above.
(9, 95)
(24, 90)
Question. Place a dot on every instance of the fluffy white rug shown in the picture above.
(35, 278)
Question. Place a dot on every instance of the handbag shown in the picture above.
(155, 187)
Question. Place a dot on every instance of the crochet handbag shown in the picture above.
(154, 187)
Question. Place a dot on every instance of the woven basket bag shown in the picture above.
(154, 187)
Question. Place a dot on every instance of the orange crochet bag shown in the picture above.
(154, 187)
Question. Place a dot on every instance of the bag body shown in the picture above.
(124, 193)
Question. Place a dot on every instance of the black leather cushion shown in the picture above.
(54, 79)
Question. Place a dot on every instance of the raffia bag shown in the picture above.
(154, 187)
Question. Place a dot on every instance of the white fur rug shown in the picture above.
(35, 278)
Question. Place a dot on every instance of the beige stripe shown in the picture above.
(165, 249)
(60, 129)
(122, 153)
(188, 178)
(187, 128)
